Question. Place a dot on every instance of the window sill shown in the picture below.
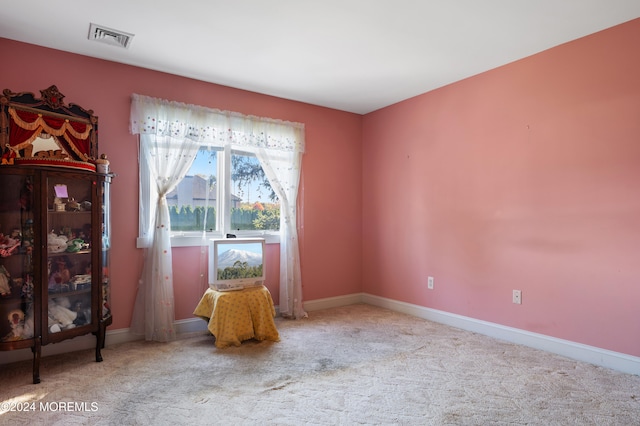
(187, 240)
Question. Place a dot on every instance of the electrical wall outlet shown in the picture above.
(517, 297)
(430, 283)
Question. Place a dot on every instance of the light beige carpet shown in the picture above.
(355, 365)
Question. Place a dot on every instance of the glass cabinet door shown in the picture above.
(106, 245)
(69, 252)
(16, 259)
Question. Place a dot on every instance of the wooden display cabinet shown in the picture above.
(54, 231)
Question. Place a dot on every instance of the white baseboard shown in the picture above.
(333, 302)
(591, 354)
(191, 325)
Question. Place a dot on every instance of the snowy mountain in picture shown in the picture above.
(231, 256)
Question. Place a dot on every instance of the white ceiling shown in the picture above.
(351, 55)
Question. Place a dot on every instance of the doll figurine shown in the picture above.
(60, 274)
(16, 320)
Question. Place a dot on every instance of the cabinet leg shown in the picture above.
(100, 338)
(36, 360)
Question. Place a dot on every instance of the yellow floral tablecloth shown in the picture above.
(234, 316)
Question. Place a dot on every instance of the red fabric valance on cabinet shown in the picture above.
(73, 136)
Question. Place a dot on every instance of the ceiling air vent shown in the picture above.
(109, 36)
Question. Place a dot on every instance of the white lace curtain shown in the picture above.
(170, 135)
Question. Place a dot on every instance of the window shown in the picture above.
(227, 181)
(194, 201)
(171, 136)
(253, 204)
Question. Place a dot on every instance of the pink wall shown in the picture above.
(524, 177)
(331, 196)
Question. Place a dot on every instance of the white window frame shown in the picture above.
(223, 201)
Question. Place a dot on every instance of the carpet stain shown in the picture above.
(280, 387)
(324, 364)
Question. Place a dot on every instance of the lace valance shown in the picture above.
(212, 126)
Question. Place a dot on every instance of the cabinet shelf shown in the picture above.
(67, 253)
(67, 212)
(54, 294)
(79, 306)
(18, 344)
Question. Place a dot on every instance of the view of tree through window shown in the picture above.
(259, 208)
(251, 203)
